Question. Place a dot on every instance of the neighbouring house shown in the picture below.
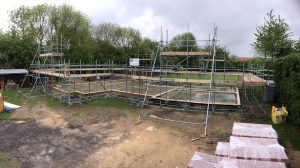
(13, 78)
(244, 59)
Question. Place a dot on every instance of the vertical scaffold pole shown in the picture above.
(211, 80)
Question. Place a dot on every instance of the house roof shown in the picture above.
(243, 59)
(13, 71)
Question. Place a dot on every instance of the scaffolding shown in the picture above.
(188, 79)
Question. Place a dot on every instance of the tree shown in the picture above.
(223, 54)
(183, 42)
(297, 46)
(273, 38)
(32, 22)
(115, 42)
(15, 52)
(147, 46)
(74, 28)
(45, 24)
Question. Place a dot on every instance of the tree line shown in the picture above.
(45, 24)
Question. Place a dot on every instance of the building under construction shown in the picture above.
(183, 79)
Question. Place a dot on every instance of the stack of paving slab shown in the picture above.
(251, 145)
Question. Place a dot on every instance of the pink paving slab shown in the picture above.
(253, 130)
(202, 160)
(256, 149)
(222, 149)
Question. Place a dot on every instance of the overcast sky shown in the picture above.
(236, 19)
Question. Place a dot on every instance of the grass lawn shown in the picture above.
(5, 116)
(206, 76)
(13, 96)
(6, 162)
(113, 102)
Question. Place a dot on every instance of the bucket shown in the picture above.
(7, 109)
(279, 115)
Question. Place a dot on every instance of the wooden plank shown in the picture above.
(196, 102)
(166, 92)
(141, 70)
(238, 99)
(184, 54)
(152, 96)
(250, 78)
(93, 69)
(214, 91)
(64, 75)
(89, 75)
(203, 81)
(53, 54)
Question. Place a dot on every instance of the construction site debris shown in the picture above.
(10, 105)
(279, 115)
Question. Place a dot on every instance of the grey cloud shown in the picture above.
(236, 20)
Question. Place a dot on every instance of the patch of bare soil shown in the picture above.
(59, 137)
(293, 156)
(93, 137)
(37, 146)
(156, 143)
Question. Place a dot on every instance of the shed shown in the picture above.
(13, 78)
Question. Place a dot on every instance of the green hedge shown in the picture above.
(268, 63)
(287, 78)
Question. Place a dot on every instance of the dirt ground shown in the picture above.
(86, 136)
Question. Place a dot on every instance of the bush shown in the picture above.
(268, 63)
(287, 78)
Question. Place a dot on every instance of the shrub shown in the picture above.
(287, 78)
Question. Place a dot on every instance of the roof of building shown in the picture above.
(244, 59)
(13, 71)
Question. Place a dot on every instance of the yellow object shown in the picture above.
(279, 115)
(1, 103)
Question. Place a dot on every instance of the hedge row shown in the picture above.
(287, 78)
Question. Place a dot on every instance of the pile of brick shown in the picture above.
(251, 145)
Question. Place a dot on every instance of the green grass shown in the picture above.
(6, 162)
(205, 76)
(5, 116)
(112, 102)
(38, 96)
(53, 102)
(288, 135)
(12, 96)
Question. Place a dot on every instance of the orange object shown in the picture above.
(1, 102)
